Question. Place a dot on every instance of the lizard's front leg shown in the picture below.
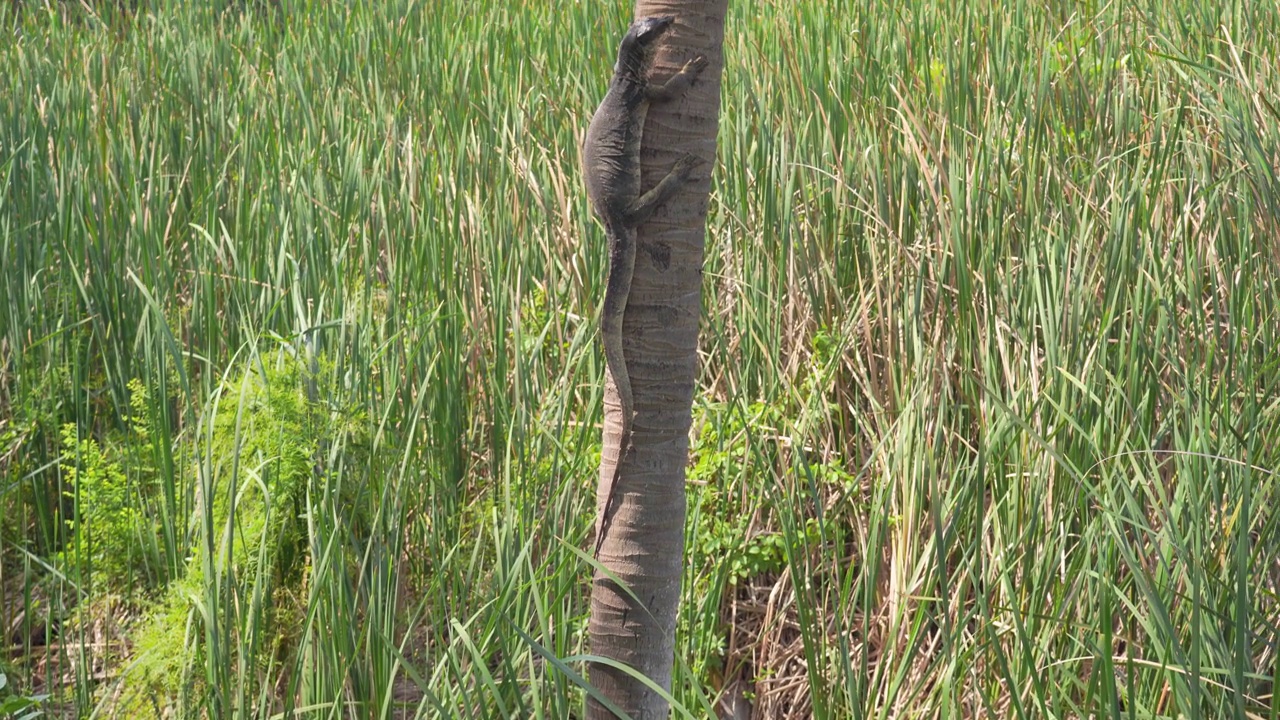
(677, 83)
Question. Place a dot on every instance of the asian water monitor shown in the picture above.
(611, 172)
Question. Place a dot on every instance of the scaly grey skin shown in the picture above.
(611, 171)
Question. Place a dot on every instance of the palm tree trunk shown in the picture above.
(644, 545)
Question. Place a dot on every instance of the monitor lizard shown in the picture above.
(611, 173)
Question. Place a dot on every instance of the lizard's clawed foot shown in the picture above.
(695, 66)
(685, 165)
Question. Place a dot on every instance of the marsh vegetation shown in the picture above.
(300, 384)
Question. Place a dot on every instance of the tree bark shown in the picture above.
(644, 545)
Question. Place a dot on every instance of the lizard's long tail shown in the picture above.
(621, 264)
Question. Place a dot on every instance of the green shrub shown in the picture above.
(269, 428)
(105, 525)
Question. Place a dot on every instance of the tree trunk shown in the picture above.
(644, 545)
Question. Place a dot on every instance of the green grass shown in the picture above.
(300, 381)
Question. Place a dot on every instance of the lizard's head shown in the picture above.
(639, 43)
(646, 30)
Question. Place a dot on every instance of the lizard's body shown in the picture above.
(611, 171)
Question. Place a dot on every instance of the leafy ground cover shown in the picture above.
(300, 380)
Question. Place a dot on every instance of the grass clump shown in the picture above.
(260, 460)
